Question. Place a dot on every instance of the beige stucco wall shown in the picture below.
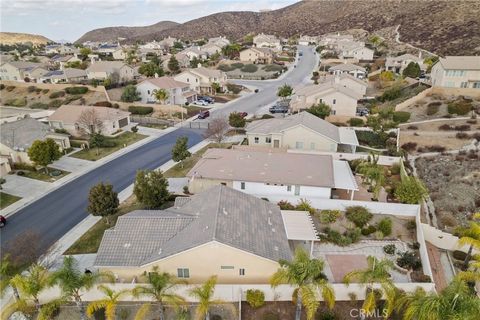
(9, 72)
(441, 79)
(308, 137)
(4, 167)
(16, 156)
(206, 260)
(344, 105)
(197, 184)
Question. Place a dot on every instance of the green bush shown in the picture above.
(267, 116)
(371, 139)
(56, 94)
(255, 298)
(401, 116)
(18, 102)
(76, 90)
(305, 205)
(272, 68)
(271, 316)
(23, 166)
(410, 190)
(104, 104)
(285, 205)
(328, 216)
(225, 68)
(327, 315)
(237, 65)
(140, 110)
(459, 255)
(31, 89)
(356, 122)
(347, 238)
(249, 68)
(235, 88)
(390, 249)
(10, 88)
(459, 107)
(72, 98)
(411, 225)
(55, 103)
(45, 91)
(38, 105)
(2, 86)
(391, 94)
(369, 230)
(64, 131)
(359, 215)
(385, 226)
(408, 260)
(433, 107)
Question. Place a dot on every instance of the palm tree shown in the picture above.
(456, 301)
(204, 294)
(31, 283)
(72, 281)
(307, 276)
(161, 285)
(160, 94)
(470, 236)
(109, 303)
(378, 271)
(7, 272)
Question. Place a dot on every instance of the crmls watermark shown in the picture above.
(364, 314)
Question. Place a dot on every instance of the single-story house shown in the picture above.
(211, 48)
(207, 234)
(354, 70)
(69, 117)
(272, 174)
(21, 70)
(398, 64)
(267, 41)
(70, 75)
(346, 80)
(457, 72)
(356, 50)
(18, 136)
(257, 55)
(307, 40)
(194, 52)
(102, 70)
(342, 101)
(302, 131)
(201, 79)
(219, 41)
(178, 92)
(62, 60)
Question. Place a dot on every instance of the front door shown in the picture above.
(276, 143)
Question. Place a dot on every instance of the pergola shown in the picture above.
(299, 226)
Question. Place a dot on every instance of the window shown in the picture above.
(268, 140)
(312, 145)
(148, 91)
(289, 188)
(223, 183)
(242, 185)
(476, 85)
(334, 101)
(227, 267)
(241, 271)
(256, 139)
(183, 273)
(464, 84)
(298, 145)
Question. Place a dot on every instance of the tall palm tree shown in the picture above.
(470, 236)
(109, 303)
(455, 302)
(72, 281)
(7, 272)
(160, 94)
(159, 289)
(378, 271)
(204, 294)
(307, 276)
(31, 283)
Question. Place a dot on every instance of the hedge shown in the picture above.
(459, 107)
(76, 90)
(250, 68)
(18, 102)
(55, 103)
(56, 94)
(140, 110)
(356, 122)
(103, 104)
(401, 116)
(38, 105)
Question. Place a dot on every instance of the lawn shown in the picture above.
(179, 171)
(120, 141)
(7, 199)
(41, 175)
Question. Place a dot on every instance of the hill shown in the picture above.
(113, 33)
(14, 38)
(444, 27)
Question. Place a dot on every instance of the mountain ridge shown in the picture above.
(18, 37)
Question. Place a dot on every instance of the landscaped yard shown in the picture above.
(120, 141)
(7, 199)
(53, 174)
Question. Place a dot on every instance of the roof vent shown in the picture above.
(160, 251)
(225, 212)
(273, 230)
(275, 248)
(127, 245)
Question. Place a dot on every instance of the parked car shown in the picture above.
(278, 109)
(3, 221)
(200, 103)
(206, 99)
(363, 112)
(204, 114)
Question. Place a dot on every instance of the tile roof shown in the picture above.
(22, 133)
(342, 76)
(318, 89)
(347, 67)
(71, 113)
(206, 72)
(106, 66)
(219, 214)
(461, 62)
(166, 82)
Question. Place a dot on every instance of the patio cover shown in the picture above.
(299, 225)
(343, 176)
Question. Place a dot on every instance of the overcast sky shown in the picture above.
(70, 19)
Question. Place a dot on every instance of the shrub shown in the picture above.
(234, 88)
(18, 102)
(411, 190)
(305, 205)
(267, 116)
(103, 104)
(272, 68)
(2, 86)
(45, 91)
(391, 94)
(225, 68)
(285, 205)
(134, 129)
(140, 110)
(390, 249)
(255, 298)
(328, 216)
(433, 107)
(237, 65)
(462, 135)
(459, 107)
(408, 260)
(368, 230)
(249, 68)
(412, 128)
(10, 88)
(31, 89)
(356, 122)
(38, 105)
(359, 215)
(55, 103)
(401, 116)
(346, 239)
(71, 98)
(409, 146)
(327, 315)
(271, 316)
(445, 127)
(371, 139)
(76, 90)
(56, 94)
(385, 226)
(463, 127)
(411, 225)
(395, 169)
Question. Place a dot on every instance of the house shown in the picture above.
(18, 136)
(59, 49)
(267, 41)
(102, 70)
(302, 131)
(457, 72)
(119, 54)
(22, 71)
(209, 233)
(108, 48)
(274, 175)
(355, 50)
(60, 60)
(331, 40)
(65, 75)
(398, 64)
(354, 70)
(68, 117)
(178, 92)
(5, 166)
(201, 79)
(194, 53)
(219, 41)
(257, 55)
(307, 40)
(346, 80)
(342, 100)
(211, 48)
(168, 42)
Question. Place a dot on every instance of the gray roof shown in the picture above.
(461, 62)
(22, 133)
(219, 214)
(347, 67)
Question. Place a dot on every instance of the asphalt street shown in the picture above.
(56, 213)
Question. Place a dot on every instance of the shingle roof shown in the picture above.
(22, 133)
(316, 89)
(219, 214)
(342, 76)
(166, 82)
(210, 73)
(461, 62)
(26, 65)
(346, 67)
(106, 66)
(71, 113)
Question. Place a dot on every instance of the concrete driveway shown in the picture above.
(24, 187)
(71, 164)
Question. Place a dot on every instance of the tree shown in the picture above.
(373, 173)
(72, 281)
(320, 110)
(285, 91)
(180, 150)
(195, 62)
(412, 70)
(378, 271)
(411, 190)
(216, 87)
(109, 303)
(96, 141)
(306, 275)
(44, 152)
(236, 120)
(89, 122)
(150, 69)
(161, 95)
(231, 50)
(217, 128)
(173, 65)
(85, 51)
(159, 289)
(31, 283)
(130, 94)
(7, 271)
(151, 188)
(204, 294)
(470, 236)
(102, 201)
